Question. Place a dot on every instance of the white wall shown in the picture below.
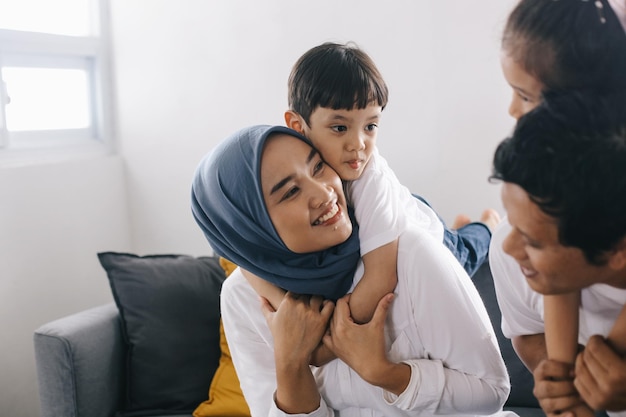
(54, 218)
(190, 72)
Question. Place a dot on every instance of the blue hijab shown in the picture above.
(227, 203)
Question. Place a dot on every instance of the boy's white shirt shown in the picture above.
(383, 206)
(522, 308)
(437, 323)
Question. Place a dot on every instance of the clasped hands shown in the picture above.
(308, 328)
(597, 381)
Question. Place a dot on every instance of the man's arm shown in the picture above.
(379, 278)
(531, 349)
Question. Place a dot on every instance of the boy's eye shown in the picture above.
(339, 128)
(371, 127)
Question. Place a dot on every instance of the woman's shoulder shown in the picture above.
(236, 289)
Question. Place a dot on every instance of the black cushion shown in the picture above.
(169, 307)
(521, 379)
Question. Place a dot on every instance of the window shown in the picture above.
(54, 75)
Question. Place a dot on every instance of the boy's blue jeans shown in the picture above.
(469, 244)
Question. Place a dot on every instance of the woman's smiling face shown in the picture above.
(304, 196)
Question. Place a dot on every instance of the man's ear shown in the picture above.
(294, 121)
(617, 259)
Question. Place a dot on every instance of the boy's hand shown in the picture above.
(555, 390)
(601, 376)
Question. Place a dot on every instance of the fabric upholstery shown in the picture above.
(225, 396)
(521, 379)
(169, 305)
(87, 347)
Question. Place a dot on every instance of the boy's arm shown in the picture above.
(561, 338)
(379, 278)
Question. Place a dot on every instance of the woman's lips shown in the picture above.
(330, 217)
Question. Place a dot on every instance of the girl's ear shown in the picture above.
(294, 121)
(617, 259)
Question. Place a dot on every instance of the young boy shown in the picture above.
(564, 174)
(336, 97)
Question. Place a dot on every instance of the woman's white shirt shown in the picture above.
(437, 324)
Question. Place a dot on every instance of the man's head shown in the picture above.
(336, 96)
(564, 173)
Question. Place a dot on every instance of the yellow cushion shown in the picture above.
(225, 396)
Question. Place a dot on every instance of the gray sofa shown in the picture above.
(88, 364)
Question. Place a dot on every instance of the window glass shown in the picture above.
(61, 17)
(46, 98)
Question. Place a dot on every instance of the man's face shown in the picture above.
(549, 267)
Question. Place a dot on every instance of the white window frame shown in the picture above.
(91, 53)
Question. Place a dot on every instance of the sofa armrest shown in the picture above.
(80, 364)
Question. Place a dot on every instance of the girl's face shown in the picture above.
(304, 196)
(526, 88)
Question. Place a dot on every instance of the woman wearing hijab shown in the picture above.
(266, 201)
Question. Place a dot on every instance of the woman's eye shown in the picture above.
(525, 98)
(339, 128)
(319, 167)
(290, 193)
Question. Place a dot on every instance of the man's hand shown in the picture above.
(555, 390)
(601, 376)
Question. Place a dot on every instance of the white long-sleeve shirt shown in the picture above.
(437, 324)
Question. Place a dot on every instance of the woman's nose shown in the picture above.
(321, 195)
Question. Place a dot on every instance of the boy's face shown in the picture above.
(526, 88)
(549, 267)
(303, 196)
(345, 138)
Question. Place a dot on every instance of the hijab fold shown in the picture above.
(227, 203)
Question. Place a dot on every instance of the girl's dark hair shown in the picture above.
(568, 44)
(335, 76)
